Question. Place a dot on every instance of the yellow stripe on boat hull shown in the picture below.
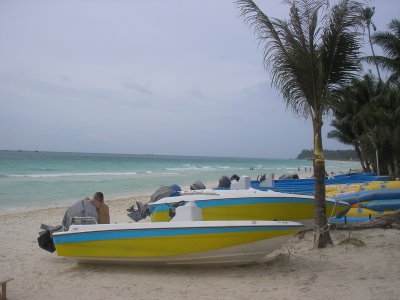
(332, 190)
(365, 212)
(270, 211)
(165, 246)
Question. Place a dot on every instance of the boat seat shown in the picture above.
(83, 220)
(268, 182)
(3, 282)
(242, 184)
(188, 212)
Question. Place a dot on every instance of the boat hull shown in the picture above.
(362, 196)
(244, 206)
(381, 205)
(365, 212)
(365, 187)
(193, 242)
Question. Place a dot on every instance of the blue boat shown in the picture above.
(355, 197)
(307, 186)
(382, 205)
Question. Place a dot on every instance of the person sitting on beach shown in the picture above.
(102, 208)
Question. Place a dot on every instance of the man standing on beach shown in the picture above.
(102, 208)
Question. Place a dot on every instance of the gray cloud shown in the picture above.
(168, 77)
(138, 88)
(65, 78)
(197, 95)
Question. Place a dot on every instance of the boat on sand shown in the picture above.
(192, 242)
(246, 204)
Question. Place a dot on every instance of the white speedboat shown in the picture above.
(246, 204)
(193, 242)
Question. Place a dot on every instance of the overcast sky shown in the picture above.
(156, 76)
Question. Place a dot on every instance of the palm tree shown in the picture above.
(355, 117)
(390, 43)
(310, 56)
(366, 17)
(367, 115)
(347, 129)
(383, 118)
(368, 93)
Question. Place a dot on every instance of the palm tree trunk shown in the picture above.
(322, 236)
(373, 52)
(396, 166)
(365, 159)
(359, 155)
(368, 164)
(390, 167)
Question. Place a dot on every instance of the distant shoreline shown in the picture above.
(335, 155)
(299, 156)
(143, 154)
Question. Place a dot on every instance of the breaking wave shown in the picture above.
(72, 174)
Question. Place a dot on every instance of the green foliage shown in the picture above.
(310, 56)
(330, 154)
(368, 117)
(389, 41)
(353, 121)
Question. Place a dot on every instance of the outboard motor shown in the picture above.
(81, 209)
(81, 212)
(289, 176)
(176, 188)
(197, 185)
(224, 182)
(142, 211)
(165, 191)
(45, 239)
(235, 177)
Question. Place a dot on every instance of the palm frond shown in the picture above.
(282, 52)
(384, 62)
(394, 26)
(389, 42)
(340, 46)
(303, 68)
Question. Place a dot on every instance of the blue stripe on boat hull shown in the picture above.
(140, 233)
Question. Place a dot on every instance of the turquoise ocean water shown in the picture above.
(43, 179)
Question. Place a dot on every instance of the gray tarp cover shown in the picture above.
(162, 192)
(82, 208)
(224, 182)
(197, 185)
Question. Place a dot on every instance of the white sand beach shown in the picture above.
(297, 271)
